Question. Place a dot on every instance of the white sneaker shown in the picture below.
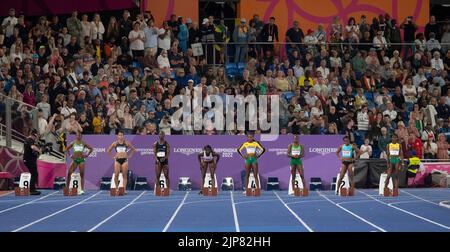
(81, 192)
(244, 192)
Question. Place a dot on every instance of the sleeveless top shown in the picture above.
(78, 147)
(394, 149)
(161, 149)
(296, 150)
(207, 158)
(121, 147)
(347, 151)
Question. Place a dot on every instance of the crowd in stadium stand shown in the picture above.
(98, 76)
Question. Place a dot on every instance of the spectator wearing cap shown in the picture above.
(241, 36)
(207, 31)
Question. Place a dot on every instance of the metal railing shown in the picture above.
(278, 47)
(17, 116)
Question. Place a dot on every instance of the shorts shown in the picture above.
(394, 160)
(251, 160)
(165, 162)
(121, 161)
(296, 161)
(347, 163)
(78, 160)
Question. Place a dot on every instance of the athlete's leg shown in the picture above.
(125, 175)
(82, 167)
(212, 171)
(72, 168)
(255, 174)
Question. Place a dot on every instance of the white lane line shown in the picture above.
(175, 213)
(417, 197)
(293, 213)
(8, 193)
(236, 220)
(55, 213)
(254, 201)
(352, 213)
(204, 201)
(117, 212)
(27, 203)
(400, 209)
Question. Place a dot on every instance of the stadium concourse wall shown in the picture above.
(320, 158)
(309, 13)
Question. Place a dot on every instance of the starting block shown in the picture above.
(390, 190)
(344, 188)
(298, 189)
(162, 190)
(251, 189)
(113, 190)
(208, 189)
(75, 185)
(24, 185)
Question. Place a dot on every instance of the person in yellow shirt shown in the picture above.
(306, 78)
(394, 157)
(98, 123)
(253, 150)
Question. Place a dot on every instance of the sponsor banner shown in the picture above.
(320, 158)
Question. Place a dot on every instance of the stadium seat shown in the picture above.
(315, 184)
(273, 184)
(141, 184)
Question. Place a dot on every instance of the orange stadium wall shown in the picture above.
(310, 13)
(162, 9)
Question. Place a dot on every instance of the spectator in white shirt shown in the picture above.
(86, 28)
(379, 42)
(433, 43)
(298, 69)
(365, 152)
(323, 69)
(9, 23)
(163, 60)
(419, 77)
(164, 37)
(97, 28)
(363, 119)
(42, 123)
(390, 111)
(137, 38)
(436, 62)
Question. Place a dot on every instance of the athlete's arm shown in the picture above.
(167, 150)
(69, 147)
(261, 148)
(302, 153)
(199, 157)
(289, 151)
(133, 150)
(89, 148)
(110, 148)
(240, 149)
(338, 151)
(154, 152)
(217, 156)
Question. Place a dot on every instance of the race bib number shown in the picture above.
(121, 149)
(270, 39)
(346, 153)
(394, 152)
(251, 150)
(295, 152)
(160, 154)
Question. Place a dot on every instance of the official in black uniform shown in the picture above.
(31, 153)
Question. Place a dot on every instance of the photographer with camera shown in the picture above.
(410, 29)
(31, 153)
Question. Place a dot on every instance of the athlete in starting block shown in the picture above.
(161, 153)
(394, 153)
(121, 159)
(208, 159)
(296, 153)
(253, 150)
(78, 158)
(347, 153)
